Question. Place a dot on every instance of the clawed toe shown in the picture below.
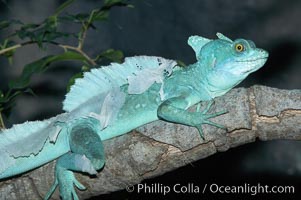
(65, 180)
(201, 132)
(205, 118)
(215, 124)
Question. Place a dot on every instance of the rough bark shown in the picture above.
(153, 149)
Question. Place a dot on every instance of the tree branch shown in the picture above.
(156, 148)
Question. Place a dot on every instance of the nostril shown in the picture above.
(264, 53)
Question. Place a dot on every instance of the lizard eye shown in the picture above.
(239, 47)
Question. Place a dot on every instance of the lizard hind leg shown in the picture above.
(87, 155)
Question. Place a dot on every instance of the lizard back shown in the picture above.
(140, 72)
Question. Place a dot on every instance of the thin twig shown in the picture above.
(3, 51)
(2, 125)
(65, 47)
(84, 30)
(82, 38)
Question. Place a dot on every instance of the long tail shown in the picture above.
(23, 142)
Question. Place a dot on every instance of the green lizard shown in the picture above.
(113, 100)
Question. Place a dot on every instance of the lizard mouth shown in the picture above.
(257, 59)
(253, 60)
(250, 65)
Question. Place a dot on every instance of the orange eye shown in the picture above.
(239, 47)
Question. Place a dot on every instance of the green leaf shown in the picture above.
(8, 101)
(6, 43)
(112, 55)
(42, 33)
(30, 91)
(101, 15)
(10, 60)
(40, 66)
(78, 18)
(51, 23)
(50, 36)
(4, 24)
(9, 54)
(23, 33)
(69, 55)
(1, 96)
(63, 7)
(30, 26)
(11, 101)
(19, 83)
(130, 6)
(110, 3)
(85, 68)
(73, 78)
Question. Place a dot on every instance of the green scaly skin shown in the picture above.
(221, 65)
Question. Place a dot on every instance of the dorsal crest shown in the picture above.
(140, 72)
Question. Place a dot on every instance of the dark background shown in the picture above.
(161, 28)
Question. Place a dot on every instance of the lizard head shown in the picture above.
(224, 62)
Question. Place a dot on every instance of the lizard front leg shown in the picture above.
(175, 110)
(87, 155)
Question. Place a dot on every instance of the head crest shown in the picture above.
(221, 36)
(197, 42)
